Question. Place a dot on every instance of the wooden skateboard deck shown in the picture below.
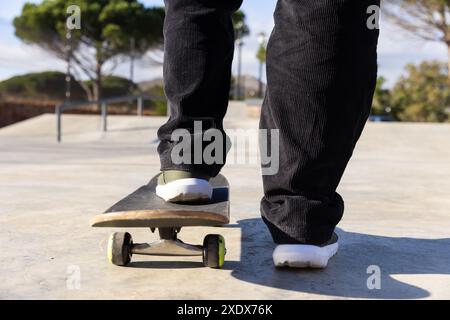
(143, 208)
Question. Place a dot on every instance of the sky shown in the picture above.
(396, 48)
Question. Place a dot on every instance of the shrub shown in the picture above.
(49, 85)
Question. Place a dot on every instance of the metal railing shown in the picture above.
(104, 103)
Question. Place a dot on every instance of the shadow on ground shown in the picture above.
(138, 128)
(346, 275)
(165, 264)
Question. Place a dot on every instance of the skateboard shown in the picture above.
(144, 209)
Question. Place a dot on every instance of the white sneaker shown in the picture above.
(305, 256)
(181, 186)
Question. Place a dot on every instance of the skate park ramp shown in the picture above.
(394, 237)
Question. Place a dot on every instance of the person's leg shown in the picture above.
(199, 46)
(198, 54)
(321, 69)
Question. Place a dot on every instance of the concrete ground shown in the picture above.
(397, 192)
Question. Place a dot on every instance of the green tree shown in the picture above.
(104, 37)
(261, 57)
(423, 94)
(241, 28)
(382, 98)
(113, 86)
(40, 86)
(261, 53)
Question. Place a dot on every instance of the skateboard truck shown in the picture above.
(168, 245)
(121, 248)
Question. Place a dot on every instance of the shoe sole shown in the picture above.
(304, 256)
(185, 190)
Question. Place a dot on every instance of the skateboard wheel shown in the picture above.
(214, 251)
(119, 248)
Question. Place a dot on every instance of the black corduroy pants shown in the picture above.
(321, 72)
